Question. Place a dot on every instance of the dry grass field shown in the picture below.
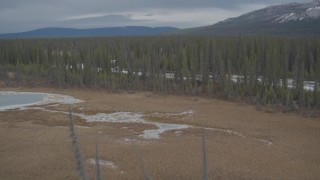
(242, 142)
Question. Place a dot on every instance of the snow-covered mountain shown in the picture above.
(285, 19)
(308, 14)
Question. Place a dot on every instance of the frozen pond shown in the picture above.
(13, 100)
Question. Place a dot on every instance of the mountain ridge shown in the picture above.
(91, 32)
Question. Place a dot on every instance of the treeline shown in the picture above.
(267, 70)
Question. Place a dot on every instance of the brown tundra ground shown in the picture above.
(243, 143)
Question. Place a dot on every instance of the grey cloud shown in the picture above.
(102, 21)
(149, 14)
(111, 5)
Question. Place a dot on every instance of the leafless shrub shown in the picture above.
(98, 175)
(76, 149)
(204, 157)
(146, 175)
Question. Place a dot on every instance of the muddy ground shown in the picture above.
(242, 142)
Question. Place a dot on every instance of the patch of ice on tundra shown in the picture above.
(131, 117)
(189, 112)
(125, 117)
(155, 133)
(117, 117)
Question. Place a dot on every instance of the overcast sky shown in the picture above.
(24, 15)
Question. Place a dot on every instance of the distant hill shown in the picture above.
(294, 19)
(71, 32)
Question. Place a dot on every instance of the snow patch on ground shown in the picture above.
(235, 133)
(189, 113)
(307, 85)
(108, 164)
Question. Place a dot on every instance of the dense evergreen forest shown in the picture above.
(266, 70)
